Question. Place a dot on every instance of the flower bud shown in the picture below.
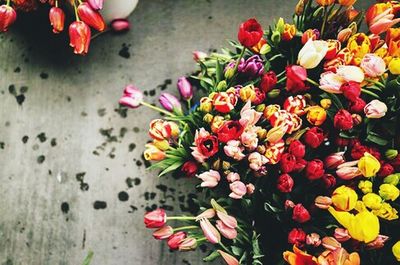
(206, 104)
(209, 214)
(57, 18)
(276, 37)
(341, 234)
(199, 56)
(120, 25)
(188, 244)
(185, 88)
(280, 25)
(209, 231)
(392, 179)
(91, 17)
(331, 243)
(96, 4)
(313, 239)
(170, 103)
(344, 35)
(250, 188)
(230, 260)
(391, 154)
(334, 160)
(274, 93)
(163, 232)
(7, 17)
(323, 202)
(389, 192)
(365, 186)
(79, 35)
(222, 85)
(175, 240)
(155, 219)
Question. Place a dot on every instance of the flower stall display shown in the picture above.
(87, 18)
(293, 135)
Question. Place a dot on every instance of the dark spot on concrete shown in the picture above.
(20, 99)
(17, 69)
(23, 89)
(136, 129)
(210, 17)
(152, 92)
(131, 147)
(80, 177)
(133, 209)
(41, 159)
(99, 205)
(130, 182)
(12, 90)
(166, 83)
(139, 163)
(123, 196)
(83, 114)
(35, 147)
(53, 142)
(124, 52)
(7, 123)
(102, 112)
(2, 145)
(42, 137)
(107, 133)
(44, 75)
(122, 111)
(162, 187)
(65, 207)
(149, 195)
(167, 207)
(68, 98)
(122, 132)
(25, 139)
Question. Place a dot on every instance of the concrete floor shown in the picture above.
(65, 150)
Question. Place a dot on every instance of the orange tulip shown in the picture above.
(57, 18)
(393, 42)
(325, 2)
(288, 32)
(299, 257)
(346, 2)
(375, 10)
(339, 256)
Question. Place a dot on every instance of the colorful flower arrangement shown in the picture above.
(87, 16)
(294, 139)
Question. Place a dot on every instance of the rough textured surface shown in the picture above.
(65, 151)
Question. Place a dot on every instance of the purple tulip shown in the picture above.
(96, 4)
(185, 88)
(120, 25)
(170, 102)
(132, 97)
(252, 67)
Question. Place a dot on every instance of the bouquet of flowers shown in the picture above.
(87, 16)
(294, 139)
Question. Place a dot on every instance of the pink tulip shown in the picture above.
(199, 56)
(185, 88)
(348, 173)
(209, 213)
(227, 232)
(188, 244)
(209, 231)
(210, 178)
(230, 260)
(334, 160)
(228, 220)
(232, 177)
(250, 188)
(378, 243)
(120, 25)
(313, 239)
(382, 22)
(373, 65)
(249, 139)
(163, 232)
(155, 219)
(375, 109)
(331, 82)
(257, 160)
(234, 150)
(96, 4)
(170, 102)
(132, 97)
(341, 234)
(331, 243)
(238, 190)
(175, 240)
(248, 116)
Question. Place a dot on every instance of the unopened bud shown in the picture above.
(120, 25)
(357, 119)
(326, 103)
(391, 154)
(262, 134)
(392, 179)
(226, 165)
(274, 93)
(208, 118)
(260, 108)
(222, 85)
(216, 165)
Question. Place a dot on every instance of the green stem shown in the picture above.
(281, 80)
(8, 2)
(313, 82)
(181, 218)
(372, 94)
(324, 22)
(76, 12)
(183, 228)
(202, 239)
(189, 104)
(238, 60)
(157, 109)
(375, 82)
(225, 248)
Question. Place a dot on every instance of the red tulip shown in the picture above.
(57, 18)
(155, 219)
(297, 148)
(300, 214)
(250, 33)
(287, 163)
(351, 90)
(297, 237)
(189, 168)
(163, 232)
(91, 17)
(230, 130)
(175, 240)
(79, 35)
(314, 137)
(343, 120)
(268, 81)
(315, 169)
(7, 17)
(296, 77)
(285, 183)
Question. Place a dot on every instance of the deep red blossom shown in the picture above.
(297, 148)
(207, 146)
(260, 96)
(285, 183)
(287, 163)
(375, 152)
(297, 237)
(314, 169)
(300, 214)
(329, 181)
(314, 137)
(250, 33)
(300, 165)
(357, 106)
(351, 90)
(268, 81)
(175, 240)
(189, 168)
(343, 120)
(296, 79)
(386, 170)
(230, 130)
(358, 151)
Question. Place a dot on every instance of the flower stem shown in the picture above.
(372, 94)
(375, 82)
(183, 228)
(238, 60)
(8, 2)
(157, 109)
(181, 218)
(225, 248)
(312, 82)
(324, 22)
(76, 12)
(189, 104)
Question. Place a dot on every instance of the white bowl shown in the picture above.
(113, 9)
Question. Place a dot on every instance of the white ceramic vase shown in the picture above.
(113, 9)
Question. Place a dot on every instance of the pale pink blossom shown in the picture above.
(199, 55)
(249, 138)
(227, 232)
(334, 160)
(230, 260)
(382, 22)
(248, 116)
(378, 243)
(351, 73)
(250, 188)
(331, 82)
(313, 239)
(341, 234)
(132, 97)
(257, 160)
(375, 109)
(234, 150)
(210, 178)
(373, 65)
(232, 177)
(238, 190)
(209, 213)
(209, 231)
(228, 220)
(348, 173)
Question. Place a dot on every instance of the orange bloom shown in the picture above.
(346, 2)
(375, 10)
(393, 42)
(339, 256)
(325, 2)
(288, 32)
(299, 257)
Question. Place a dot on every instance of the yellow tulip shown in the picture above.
(344, 198)
(394, 66)
(247, 93)
(162, 145)
(206, 104)
(389, 192)
(276, 133)
(363, 226)
(153, 153)
(326, 103)
(369, 165)
(386, 212)
(316, 115)
(372, 201)
(365, 186)
(396, 250)
(359, 44)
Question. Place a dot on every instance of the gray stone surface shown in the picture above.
(70, 99)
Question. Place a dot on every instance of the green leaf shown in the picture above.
(213, 255)
(171, 168)
(237, 251)
(375, 138)
(219, 72)
(88, 258)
